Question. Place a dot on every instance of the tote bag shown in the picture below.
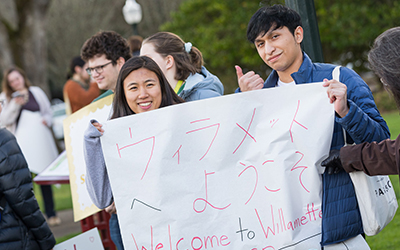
(376, 200)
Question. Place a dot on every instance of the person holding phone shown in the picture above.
(18, 94)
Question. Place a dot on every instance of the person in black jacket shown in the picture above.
(22, 225)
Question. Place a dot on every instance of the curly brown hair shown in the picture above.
(108, 43)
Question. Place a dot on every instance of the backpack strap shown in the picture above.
(336, 76)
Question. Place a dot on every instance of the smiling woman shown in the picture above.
(142, 90)
(141, 81)
(141, 87)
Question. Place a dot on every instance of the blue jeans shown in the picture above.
(115, 232)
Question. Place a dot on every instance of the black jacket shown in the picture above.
(22, 225)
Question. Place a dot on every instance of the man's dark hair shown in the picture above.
(275, 17)
(108, 43)
(120, 104)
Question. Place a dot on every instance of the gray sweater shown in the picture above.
(97, 182)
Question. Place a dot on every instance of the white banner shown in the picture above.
(240, 171)
(87, 240)
(36, 141)
(59, 167)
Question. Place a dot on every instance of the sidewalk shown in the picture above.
(67, 226)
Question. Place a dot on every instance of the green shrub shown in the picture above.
(384, 101)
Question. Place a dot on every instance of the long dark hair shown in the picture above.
(120, 105)
(384, 60)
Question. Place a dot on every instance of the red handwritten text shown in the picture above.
(153, 138)
(282, 225)
(194, 243)
(212, 141)
(246, 131)
(206, 199)
(295, 121)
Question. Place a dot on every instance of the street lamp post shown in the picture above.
(312, 42)
(132, 14)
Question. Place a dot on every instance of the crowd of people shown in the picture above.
(163, 70)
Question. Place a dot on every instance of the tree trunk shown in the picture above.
(26, 39)
(6, 58)
(8, 21)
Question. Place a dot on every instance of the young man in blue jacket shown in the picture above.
(277, 34)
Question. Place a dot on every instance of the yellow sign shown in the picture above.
(74, 128)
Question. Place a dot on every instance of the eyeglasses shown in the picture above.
(98, 69)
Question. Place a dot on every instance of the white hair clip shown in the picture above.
(188, 47)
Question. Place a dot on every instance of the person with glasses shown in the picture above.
(106, 52)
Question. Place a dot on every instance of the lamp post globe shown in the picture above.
(132, 14)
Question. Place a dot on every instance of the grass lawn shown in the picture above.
(61, 194)
(67, 237)
(393, 121)
(62, 201)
